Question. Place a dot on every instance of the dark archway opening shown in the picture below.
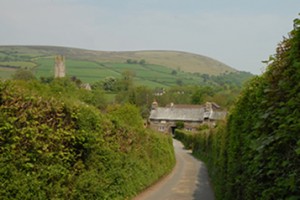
(173, 128)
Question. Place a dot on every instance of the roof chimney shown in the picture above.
(154, 105)
(171, 104)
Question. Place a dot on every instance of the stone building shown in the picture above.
(164, 119)
(59, 67)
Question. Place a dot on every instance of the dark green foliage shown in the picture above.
(142, 62)
(131, 61)
(257, 155)
(108, 84)
(225, 80)
(179, 125)
(179, 82)
(186, 95)
(76, 80)
(56, 149)
(174, 72)
(187, 139)
(264, 130)
(126, 82)
(23, 74)
(197, 97)
(46, 79)
(95, 97)
(232, 79)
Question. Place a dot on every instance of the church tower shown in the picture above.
(59, 68)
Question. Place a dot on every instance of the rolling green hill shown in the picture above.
(161, 68)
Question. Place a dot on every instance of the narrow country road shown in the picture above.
(188, 181)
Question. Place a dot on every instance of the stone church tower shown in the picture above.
(59, 68)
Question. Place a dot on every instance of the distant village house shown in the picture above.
(164, 119)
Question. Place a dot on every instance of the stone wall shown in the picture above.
(166, 126)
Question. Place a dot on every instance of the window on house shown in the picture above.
(161, 128)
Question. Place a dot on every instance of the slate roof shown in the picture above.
(189, 106)
(182, 112)
(177, 114)
(219, 115)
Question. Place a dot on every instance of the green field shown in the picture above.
(162, 68)
(25, 64)
(6, 73)
(7, 68)
(148, 75)
(84, 70)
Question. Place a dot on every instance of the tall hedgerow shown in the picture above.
(264, 130)
(257, 154)
(62, 148)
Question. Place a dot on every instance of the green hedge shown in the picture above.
(56, 149)
(257, 154)
(185, 137)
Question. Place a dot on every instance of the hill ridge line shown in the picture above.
(174, 59)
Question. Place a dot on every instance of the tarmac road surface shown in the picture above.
(188, 181)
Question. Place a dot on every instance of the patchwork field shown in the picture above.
(159, 69)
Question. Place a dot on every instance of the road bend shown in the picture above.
(188, 181)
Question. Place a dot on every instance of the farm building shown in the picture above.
(165, 119)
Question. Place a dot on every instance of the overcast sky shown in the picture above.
(239, 33)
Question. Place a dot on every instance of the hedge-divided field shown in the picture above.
(61, 148)
(90, 72)
(256, 155)
(91, 66)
